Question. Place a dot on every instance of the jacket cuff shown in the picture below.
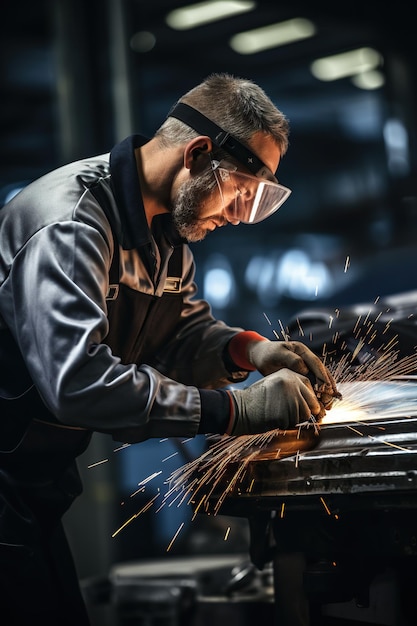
(215, 411)
(237, 348)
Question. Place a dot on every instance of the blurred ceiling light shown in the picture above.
(205, 12)
(143, 41)
(397, 147)
(369, 80)
(272, 36)
(219, 286)
(346, 64)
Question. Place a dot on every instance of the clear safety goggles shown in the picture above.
(247, 198)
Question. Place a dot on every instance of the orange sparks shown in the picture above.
(347, 264)
(297, 457)
(393, 445)
(98, 463)
(354, 430)
(122, 447)
(142, 510)
(175, 536)
(169, 457)
(146, 480)
(325, 506)
(227, 462)
(267, 319)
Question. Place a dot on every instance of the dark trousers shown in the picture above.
(39, 584)
(38, 482)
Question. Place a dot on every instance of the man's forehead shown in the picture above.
(266, 149)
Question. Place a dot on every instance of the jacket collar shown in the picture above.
(129, 200)
(127, 192)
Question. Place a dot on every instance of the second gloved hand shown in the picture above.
(270, 356)
(281, 400)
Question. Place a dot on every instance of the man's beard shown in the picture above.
(187, 205)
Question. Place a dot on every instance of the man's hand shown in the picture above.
(271, 356)
(281, 400)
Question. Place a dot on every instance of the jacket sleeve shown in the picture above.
(54, 303)
(195, 355)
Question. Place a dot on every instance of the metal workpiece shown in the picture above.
(369, 462)
(382, 460)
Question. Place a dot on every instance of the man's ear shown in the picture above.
(195, 153)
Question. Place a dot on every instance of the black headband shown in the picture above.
(201, 124)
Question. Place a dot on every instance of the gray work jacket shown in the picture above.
(124, 353)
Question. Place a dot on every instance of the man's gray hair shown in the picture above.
(238, 105)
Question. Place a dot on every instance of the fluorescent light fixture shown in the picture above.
(369, 80)
(346, 64)
(205, 12)
(272, 36)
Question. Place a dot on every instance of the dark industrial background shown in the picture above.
(76, 76)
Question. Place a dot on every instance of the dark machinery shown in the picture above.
(341, 503)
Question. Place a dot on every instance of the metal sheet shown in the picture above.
(367, 462)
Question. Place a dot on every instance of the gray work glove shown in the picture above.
(271, 356)
(281, 400)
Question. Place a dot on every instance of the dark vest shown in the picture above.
(139, 324)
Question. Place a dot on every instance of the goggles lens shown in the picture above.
(246, 198)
